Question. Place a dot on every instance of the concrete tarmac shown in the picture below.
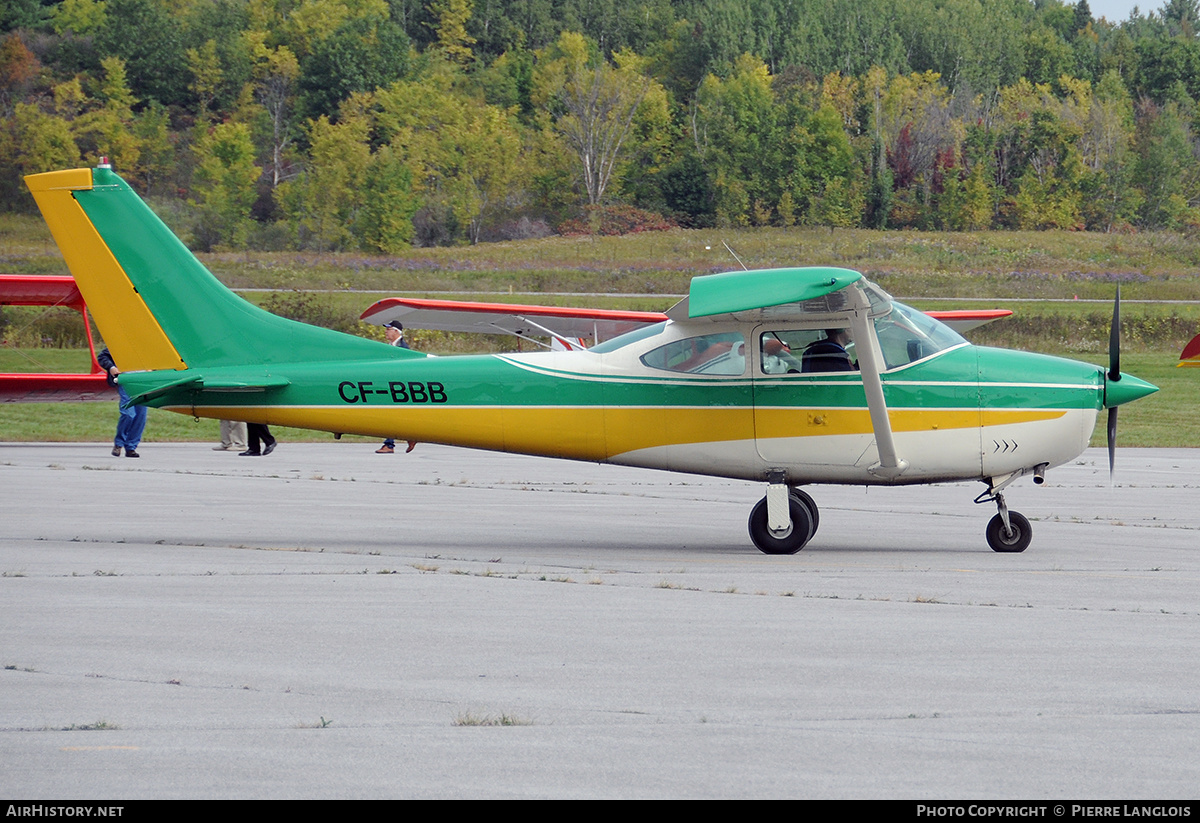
(326, 622)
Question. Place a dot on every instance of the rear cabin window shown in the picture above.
(623, 340)
(723, 353)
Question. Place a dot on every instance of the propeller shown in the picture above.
(1114, 375)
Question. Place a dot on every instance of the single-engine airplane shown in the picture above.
(725, 385)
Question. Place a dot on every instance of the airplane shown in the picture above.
(54, 290)
(708, 390)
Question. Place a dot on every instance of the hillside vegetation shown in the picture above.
(377, 125)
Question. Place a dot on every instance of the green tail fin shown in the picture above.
(155, 304)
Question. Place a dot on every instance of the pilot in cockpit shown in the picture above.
(829, 354)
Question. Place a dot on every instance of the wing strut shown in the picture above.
(549, 333)
(889, 465)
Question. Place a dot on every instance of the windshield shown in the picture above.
(907, 335)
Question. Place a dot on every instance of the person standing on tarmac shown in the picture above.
(395, 336)
(132, 420)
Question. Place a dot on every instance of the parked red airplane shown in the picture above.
(33, 290)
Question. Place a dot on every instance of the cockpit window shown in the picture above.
(807, 351)
(723, 353)
(907, 335)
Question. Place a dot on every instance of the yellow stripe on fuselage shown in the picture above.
(590, 433)
(133, 336)
(783, 422)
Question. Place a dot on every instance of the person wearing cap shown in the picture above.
(395, 335)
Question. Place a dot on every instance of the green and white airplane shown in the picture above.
(788, 377)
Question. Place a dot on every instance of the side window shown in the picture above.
(807, 351)
(776, 349)
(723, 353)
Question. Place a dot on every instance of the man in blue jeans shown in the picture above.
(132, 421)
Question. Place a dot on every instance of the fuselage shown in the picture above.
(964, 412)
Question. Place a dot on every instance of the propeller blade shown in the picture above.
(1114, 341)
(1114, 374)
(1112, 442)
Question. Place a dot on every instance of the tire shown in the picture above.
(800, 533)
(813, 511)
(1018, 541)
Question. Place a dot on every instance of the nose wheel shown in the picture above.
(1007, 531)
(1014, 538)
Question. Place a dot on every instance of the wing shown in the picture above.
(967, 319)
(793, 294)
(30, 290)
(565, 326)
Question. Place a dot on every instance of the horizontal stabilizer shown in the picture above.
(145, 387)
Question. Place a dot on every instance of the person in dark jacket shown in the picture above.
(132, 420)
(829, 354)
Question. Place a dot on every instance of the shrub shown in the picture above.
(609, 221)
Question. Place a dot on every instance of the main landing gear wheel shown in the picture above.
(811, 504)
(789, 541)
(1017, 540)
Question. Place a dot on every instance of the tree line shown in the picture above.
(380, 124)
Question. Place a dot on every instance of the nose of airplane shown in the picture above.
(1125, 389)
